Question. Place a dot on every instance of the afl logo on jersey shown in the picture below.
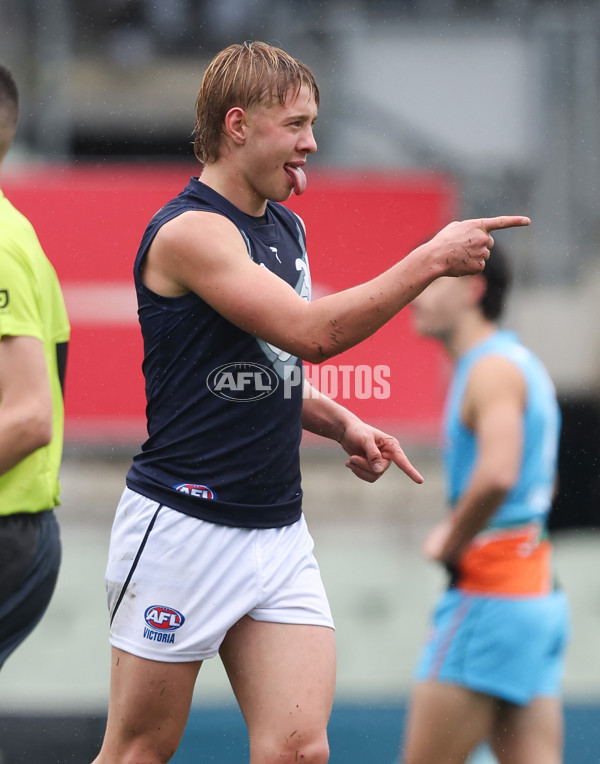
(242, 382)
(163, 618)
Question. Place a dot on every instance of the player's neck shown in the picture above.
(470, 332)
(232, 187)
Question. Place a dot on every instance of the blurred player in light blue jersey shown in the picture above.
(492, 665)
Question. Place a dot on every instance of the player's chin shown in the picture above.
(283, 194)
(420, 326)
(423, 327)
(283, 188)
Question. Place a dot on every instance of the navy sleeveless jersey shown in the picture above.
(223, 408)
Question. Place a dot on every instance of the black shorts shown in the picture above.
(29, 565)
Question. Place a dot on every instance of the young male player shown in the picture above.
(210, 551)
(492, 665)
(34, 331)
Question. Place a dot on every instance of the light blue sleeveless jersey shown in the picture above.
(531, 497)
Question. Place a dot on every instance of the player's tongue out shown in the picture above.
(298, 178)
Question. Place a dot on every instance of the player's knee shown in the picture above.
(317, 753)
(314, 752)
(135, 753)
(145, 757)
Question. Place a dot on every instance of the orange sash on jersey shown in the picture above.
(512, 561)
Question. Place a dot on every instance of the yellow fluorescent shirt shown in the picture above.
(32, 305)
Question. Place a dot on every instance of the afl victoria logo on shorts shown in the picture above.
(242, 382)
(162, 622)
(4, 299)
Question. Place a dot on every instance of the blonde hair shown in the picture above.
(244, 75)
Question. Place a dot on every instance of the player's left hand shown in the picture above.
(373, 451)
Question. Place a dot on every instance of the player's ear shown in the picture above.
(234, 125)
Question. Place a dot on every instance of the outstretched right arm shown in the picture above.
(203, 252)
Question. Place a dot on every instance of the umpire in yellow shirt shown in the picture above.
(34, 332)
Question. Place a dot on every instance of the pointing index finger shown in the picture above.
(504, 221)
(402, 461)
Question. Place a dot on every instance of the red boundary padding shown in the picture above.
(90, 218)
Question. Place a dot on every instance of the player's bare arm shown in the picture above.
(26, 400)
(371, 451)
(204, 253)
(493, 409)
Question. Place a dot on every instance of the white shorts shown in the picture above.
(176, 584)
